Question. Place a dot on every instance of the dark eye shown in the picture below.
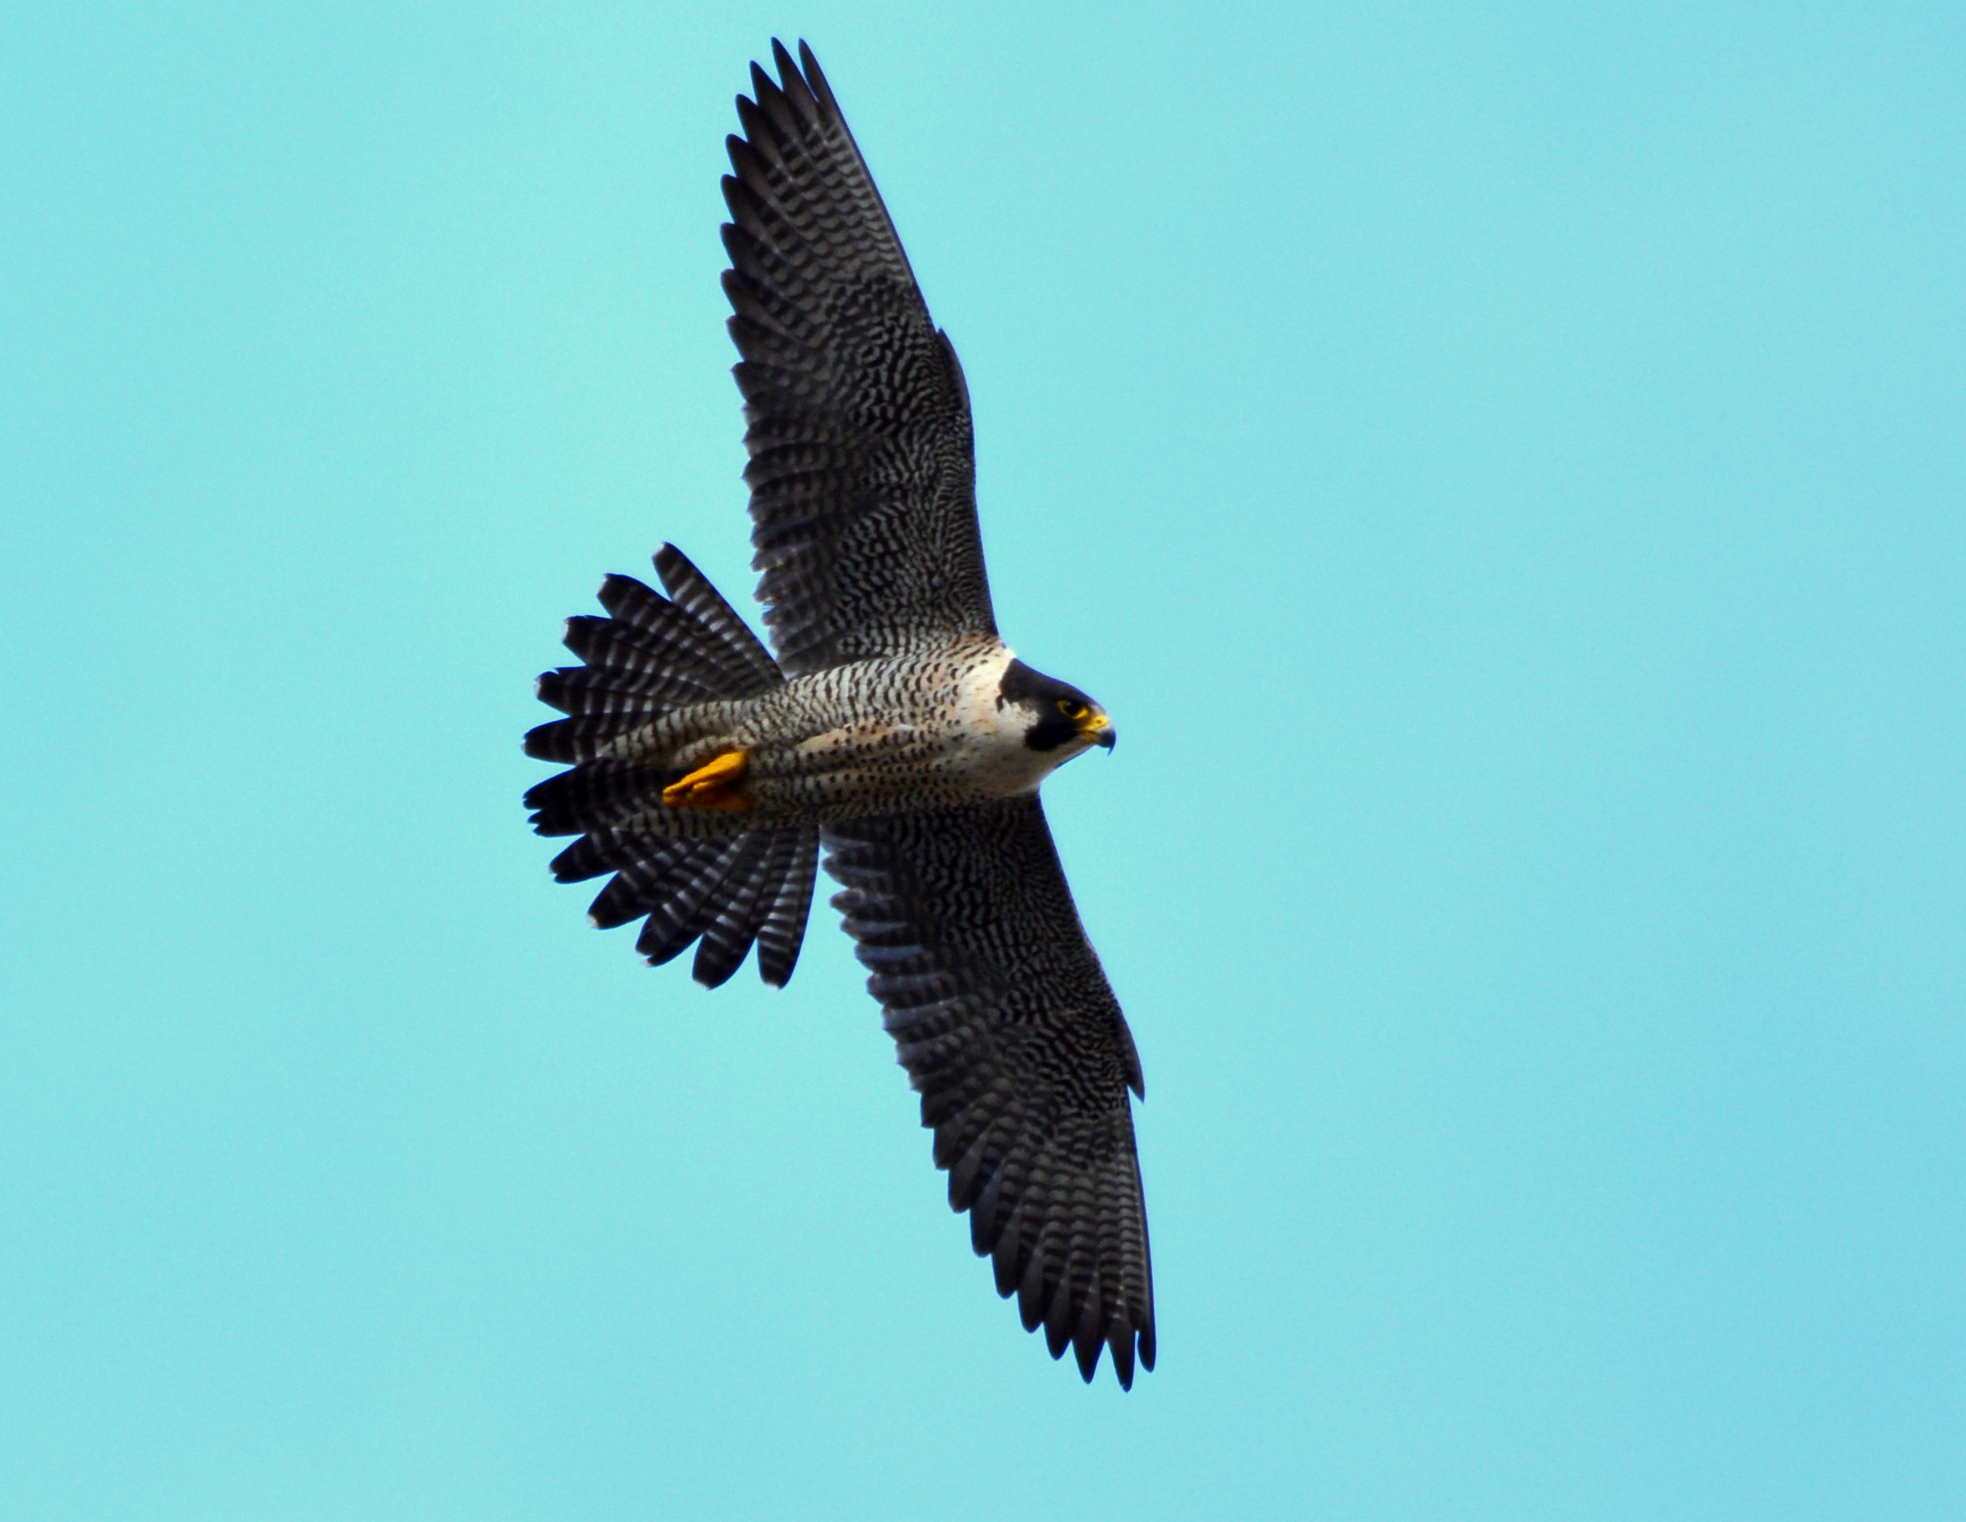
(1071, 708)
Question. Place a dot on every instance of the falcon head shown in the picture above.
(1061, 718)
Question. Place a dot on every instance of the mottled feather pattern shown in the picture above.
(1008, 1029)
(862, 469)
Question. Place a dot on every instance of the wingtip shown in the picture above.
(1056, 1338)
(816, 80)
(1121, 1342)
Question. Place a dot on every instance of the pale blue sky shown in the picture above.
(1502, 467)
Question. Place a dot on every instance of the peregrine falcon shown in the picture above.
(895, 730)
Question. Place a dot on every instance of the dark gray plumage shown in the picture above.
(1008, 1028)
(863, 467)
(894, 726)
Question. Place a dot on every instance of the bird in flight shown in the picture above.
(895, 731)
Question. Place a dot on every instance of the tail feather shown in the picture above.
(784, 928)
(586, 857)
(728, 889)
(742, 907)
(604, 705)
(643, 619)
(647, 875)
(582, 738)
(684, 913)
(603, 689)
(702, 601)
(594, 795)
(672, 656)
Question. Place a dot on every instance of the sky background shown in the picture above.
(1502, 467)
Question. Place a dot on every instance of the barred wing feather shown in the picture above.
(1023, 1060)
(862, 472)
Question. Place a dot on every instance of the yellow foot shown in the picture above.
(712, 785)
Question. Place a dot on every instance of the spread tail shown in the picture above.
(649, 656)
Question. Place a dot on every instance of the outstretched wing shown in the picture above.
(863, 469)
(1009, 1030)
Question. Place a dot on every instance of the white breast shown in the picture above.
(990, 751)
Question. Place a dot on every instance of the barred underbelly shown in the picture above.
(866, 766)
(910, 732)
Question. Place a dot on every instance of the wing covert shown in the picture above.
(1010, 1032)
(862, 473)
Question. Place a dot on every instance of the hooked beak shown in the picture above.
(1099, 729)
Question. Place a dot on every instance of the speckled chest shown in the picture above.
(919, 729)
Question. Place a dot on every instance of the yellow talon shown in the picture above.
(712, 785)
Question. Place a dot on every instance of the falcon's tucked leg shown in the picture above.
(712, 785)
